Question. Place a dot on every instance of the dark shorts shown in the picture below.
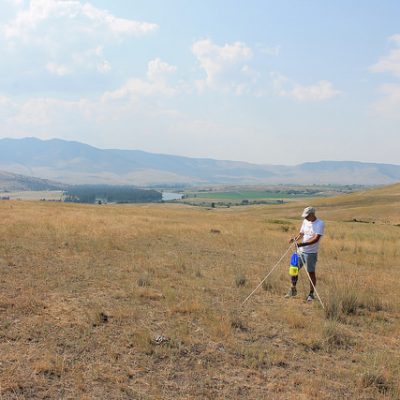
(310, 259)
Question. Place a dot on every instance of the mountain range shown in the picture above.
(77, 163)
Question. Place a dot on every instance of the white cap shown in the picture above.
(307, 211)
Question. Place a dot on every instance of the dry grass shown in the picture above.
(144, 302)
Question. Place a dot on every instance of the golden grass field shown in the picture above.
(144, 302)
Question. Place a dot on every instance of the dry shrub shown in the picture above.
(240, 280)
(255, 357)
(238, 324)
(143, 341)
(220, 328)
(268, 285)
(332, 307)
(372, 302)
(342, 300)
(294, 319)
(143, 281)
(49, 366)
(381, 373)
(376, 380)
(26, 303)
(335, 337)
(122, 315)
(350, 302)
(349, 298)
(95, 317)
(198, 274)
(279, 360)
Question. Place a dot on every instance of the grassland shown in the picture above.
(144, 302)
(49, 195)
(238, 195)
(244, 194)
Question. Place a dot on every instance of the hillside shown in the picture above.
(378, 205)
(16, 182)
(145, 302)
(76, 163)
(374, 205)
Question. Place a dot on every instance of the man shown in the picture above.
(310, 234)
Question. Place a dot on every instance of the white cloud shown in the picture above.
(223, 65)
(390, 63)
(389, 105)
(16, 3)
(119, 26)
(104, 67)
(133, 88)
(44, 111)
(7, 109)
(69, 34)
(4, 100)
(40, 11)
(92, 58)
(58, 69)
(158, 73)
(48, 112)
(322, 90)
(270, 50)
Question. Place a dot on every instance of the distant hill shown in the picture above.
(373, 205)
(16, 182)
(78, 163)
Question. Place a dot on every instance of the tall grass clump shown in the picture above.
(376, 380)
(143, 281)
(348, 299)
(372, 302)
(381, 374)
(342, 300)
(335, 336)
(240, 280)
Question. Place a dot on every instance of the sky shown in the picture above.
(268, 82)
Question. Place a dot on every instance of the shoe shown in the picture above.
(292, 293)
(310, 297)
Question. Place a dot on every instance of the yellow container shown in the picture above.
(293, 271)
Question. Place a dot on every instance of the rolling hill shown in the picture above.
(16, 182)
(373, 206)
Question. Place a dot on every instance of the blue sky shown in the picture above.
(274, 82)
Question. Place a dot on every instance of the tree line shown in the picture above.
(110, 194)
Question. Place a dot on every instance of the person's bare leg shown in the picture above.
(313, 280)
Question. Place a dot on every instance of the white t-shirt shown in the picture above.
(310, 229)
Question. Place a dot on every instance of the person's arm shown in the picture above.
(296, 238)
(313, 239)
